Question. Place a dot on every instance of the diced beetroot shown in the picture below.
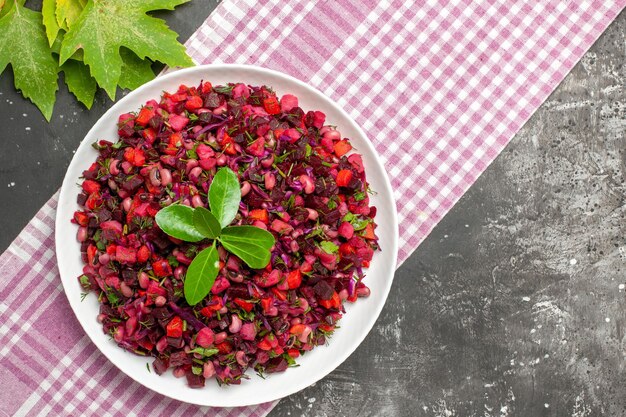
(319, 119)
(257, 147)
(205, 337)
(177, 122)
(268, 280)
(126, 125)
(346, 230)
(194, 381)
(160, 365)
(111, 230)
(125, 255)
(241, 90)
(204, 151)
(154, 289)
(208, 163)
(357, 162)
(143, 254)
(141, 210)
(220, 285)
(281, 227)
(293, 133)
(112, 282)
(288, 102)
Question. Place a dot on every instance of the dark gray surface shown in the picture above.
(503, 309)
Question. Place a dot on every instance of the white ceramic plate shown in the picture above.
(314, 365)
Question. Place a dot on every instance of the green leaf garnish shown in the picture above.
(224, 196)
(201, 275)
(251, 244)
(177, 221)
(329, 247)
(204, 351)
(206, 223)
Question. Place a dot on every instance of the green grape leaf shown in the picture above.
(79, 82)
(68, 12)
(251, 244)
(135, 72)
(104, 26)
(48, 9)
(24, 45)
(4, 10)
(201, 275)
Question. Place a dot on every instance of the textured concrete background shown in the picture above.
(512, 306)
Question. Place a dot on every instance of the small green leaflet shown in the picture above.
(206, 223)
(24, 45)
(224, 196)
(329, 247)
(204, 351)
(177, 221)
(358, 224)
(251, 244)
(201, 275)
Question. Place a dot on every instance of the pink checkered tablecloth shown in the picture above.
(439, 86)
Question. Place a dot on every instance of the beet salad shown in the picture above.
(294, 182)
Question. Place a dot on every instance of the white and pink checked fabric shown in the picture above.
(439, 86)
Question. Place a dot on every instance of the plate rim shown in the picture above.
(68, 182)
